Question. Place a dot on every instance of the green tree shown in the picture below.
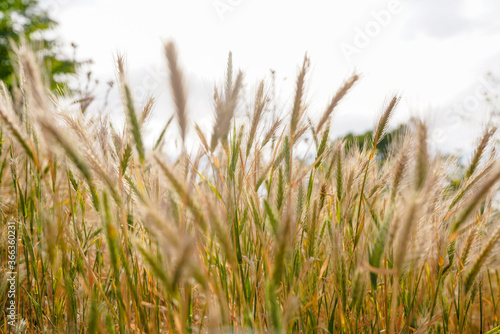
(28, 19)
(382, 147)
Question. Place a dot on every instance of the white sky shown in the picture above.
(434, 52)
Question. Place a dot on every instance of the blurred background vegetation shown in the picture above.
(29, 20)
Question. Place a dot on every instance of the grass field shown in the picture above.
(246, 236)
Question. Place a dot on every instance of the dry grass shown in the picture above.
(246, 235)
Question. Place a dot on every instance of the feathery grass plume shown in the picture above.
(281, 250)
(280, 195)
(105, 177)
(479, 261)
(74, 155)
(338, 173)
(384, 122)
(313, 131)
(379, 134)
(201, 246)
(478, 152)
(259, 105)
(474, 201)
(183, 193)
(339, 266)
(399, 172)
(229, 75)
(322, 146)
(299, 133)
(377, 250)
(202, 137)
(146, 111)
(32, 81)
(273, 307)
(286, 155)
(400, 250)
(271, 131)
(13, 124)
(467, 247)
(298, 104)
(156, 221)
(224, 112)
(68, 147)
(357, 292)
(177, 87)
(133, 122)
(273, 220)
(336, 99)
(112, 238)
(472, 182)
(405, 233)
(422, 163)
(333, 152)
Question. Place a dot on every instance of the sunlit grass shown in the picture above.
(247, 235)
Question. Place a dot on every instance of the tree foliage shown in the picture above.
(383, 146)
(29, 20)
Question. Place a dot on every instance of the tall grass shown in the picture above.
(247, 234)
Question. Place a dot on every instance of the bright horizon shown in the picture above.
(435, 55)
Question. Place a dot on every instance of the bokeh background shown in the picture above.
(443, 56)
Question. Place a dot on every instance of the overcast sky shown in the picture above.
(435, 53)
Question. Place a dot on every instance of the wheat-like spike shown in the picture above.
(422, 163)
(108, 180)
(13, 125)
(133, 122)
(379, 134)
(225, 112)
(478, 152)
(68, 147)
(146, 111)
(322, 146)
(471, 183)
(357, 292)
(34, 85)
(476, 266)
(338, 174)
(181, 190)
(74, 156)
(348, 84)
(298, 105)
(259, 105)
(342, 280)
(229, 75)
(377, 251)
(200, 134)
(474, 201)
(401, 165)
(280, 195)
(405, 232)
(383, 123)
(177, 87)
(272, 130)
(299, 133)
(468, 245)
(263, 226)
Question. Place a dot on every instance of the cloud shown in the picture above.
(446, 18)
